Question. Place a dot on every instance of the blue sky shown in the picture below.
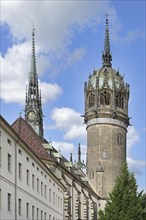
(69, 45)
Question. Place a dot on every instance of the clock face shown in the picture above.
(31, 115)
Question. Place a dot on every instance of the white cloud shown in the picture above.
(75, 132)
(15, 67)
(132, 137)
(50, 92)
(55, 24)
(69, 121)
(53, 20)
(76, 55)
(64, 147)
(136, 166)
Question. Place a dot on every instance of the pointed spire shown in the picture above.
(71, 160)
(33, 72)
(79, 153)
(33, 105)
(106, 56)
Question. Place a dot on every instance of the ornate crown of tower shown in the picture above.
(33, 106)
(106, 116)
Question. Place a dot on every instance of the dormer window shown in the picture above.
(104, 98)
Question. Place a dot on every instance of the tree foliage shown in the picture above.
(125, 202)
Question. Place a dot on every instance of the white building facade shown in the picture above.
(28, 189)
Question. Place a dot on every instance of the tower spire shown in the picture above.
(33, 72)
(79, 154)
(33, 106)
(106, 56)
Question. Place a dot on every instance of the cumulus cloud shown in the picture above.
(69, 121)
(55, 21)
(50, 92)
(55, 28)
(132, 137)
(136, 166)
(64, 147)
(15, 67)
(76, 55)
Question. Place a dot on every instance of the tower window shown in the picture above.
(120, 101)
(104, 98)
(105, 155)
(91, 174)
(120, 139)
(91, 100)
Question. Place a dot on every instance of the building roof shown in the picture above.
(35, 143)
(28, 135)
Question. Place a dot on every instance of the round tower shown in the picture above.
(106, 116)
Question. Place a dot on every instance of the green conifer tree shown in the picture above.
(125, 202)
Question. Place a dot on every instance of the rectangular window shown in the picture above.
(33, 183)
(27, 210)
(27, 177)
(9, 202)
(53, 198)
(45, 216)
(0, 155)
(0, 198)
(61, 203)
(9, 141)
(37, 213)
(9, 162)
(19, 206)
(27, 158)
(45, 191)
(19, 151)
(33, 164)
(58, 202)
(49, 217)
(32, 212)
(41, 214)
(105, 155)
(41, 188)
(20, 171)
(50, 195)
(37, 185)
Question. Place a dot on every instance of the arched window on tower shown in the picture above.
(104, 98)
(91, 99)
(120, 100)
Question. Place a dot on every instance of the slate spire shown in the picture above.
(33, 106)
(106, 55)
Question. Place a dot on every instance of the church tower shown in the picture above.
(106, 117)
(33, 106)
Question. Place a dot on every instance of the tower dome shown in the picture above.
(106, 117)
(106, 95)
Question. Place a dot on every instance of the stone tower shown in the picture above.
(106, 117)
(33, 106)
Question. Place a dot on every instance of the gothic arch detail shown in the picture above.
(104, 98)
(91, 99)
(120, 100)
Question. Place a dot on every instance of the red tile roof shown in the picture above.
(28, 135)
